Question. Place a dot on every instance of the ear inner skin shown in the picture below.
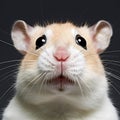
(23, 28)
(101, 34)
(20, 36)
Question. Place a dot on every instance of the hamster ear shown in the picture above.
(20, 36)
(101, 34)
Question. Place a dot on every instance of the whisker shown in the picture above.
(32, 82)
(9, 61)
(79, 84)
(13, 46)
(88, 88)
(113, 75)
(8, 74)
(9, 67)
(44, 57)
(6, 92)
(116, 64)
(112, 70)
(114, 61)
(36, 79)
(115, 88)
(17, 64)
(6, 43)
(114, 51)
(108, 55)
(43, 81)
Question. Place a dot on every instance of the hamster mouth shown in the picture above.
(61, 81)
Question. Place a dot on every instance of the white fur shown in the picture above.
(73, 102)
(74, 32)
(86, 99)
(17, 111)
(48, 33)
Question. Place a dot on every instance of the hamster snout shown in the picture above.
(63, 66)
(61, 54)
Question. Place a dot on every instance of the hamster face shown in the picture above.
(61, 58)
(55, 73)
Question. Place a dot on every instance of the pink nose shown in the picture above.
(61, 54)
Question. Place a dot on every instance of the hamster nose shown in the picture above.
(61, 54)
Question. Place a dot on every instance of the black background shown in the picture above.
(47, 11)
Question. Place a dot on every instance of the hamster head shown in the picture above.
(61, 59)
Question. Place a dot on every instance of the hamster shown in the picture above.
(61, 76)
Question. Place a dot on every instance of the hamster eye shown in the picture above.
(41, 41)
(81, 41)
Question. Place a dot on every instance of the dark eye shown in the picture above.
(81, 41)
(41, 41)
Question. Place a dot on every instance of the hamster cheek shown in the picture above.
(94, 77)
(28, 72)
